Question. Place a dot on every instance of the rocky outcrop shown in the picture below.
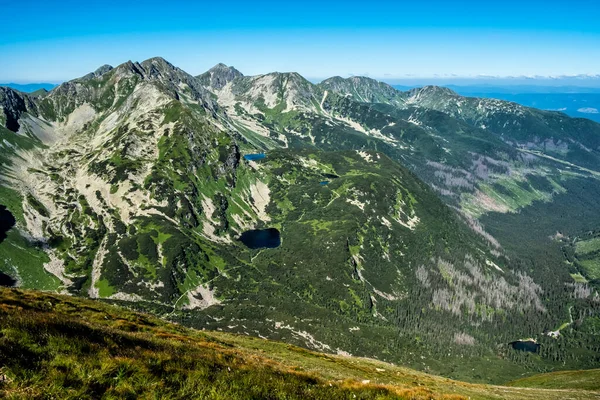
(218, 76)
(13, 104)
(97, 73)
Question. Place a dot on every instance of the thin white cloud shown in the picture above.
(588, 110)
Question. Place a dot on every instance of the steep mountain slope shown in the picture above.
(138, 193)
(218, 76)
(91, 350)
(548, 131)
(478, 172)
(364, 90)
(510, 159)
(474, 170)
(570, 147)
(586, 380)
(136, 183)
(107, 139)
(14, 104)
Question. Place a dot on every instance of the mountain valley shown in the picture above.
(420, 228)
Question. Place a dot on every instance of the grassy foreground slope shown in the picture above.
(586, 380)
(54, 346)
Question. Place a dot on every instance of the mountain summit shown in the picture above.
(98, 72)
(218, 76)
(364, 89)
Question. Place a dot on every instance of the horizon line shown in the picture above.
(385, 77)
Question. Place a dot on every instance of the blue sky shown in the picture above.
(55, 41)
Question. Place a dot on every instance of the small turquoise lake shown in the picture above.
(254, 157)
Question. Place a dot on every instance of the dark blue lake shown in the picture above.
(7, 221)
(261, 238)
(6, 280)
(527, 345)
(254, 157)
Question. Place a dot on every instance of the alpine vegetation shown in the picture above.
(421, 228)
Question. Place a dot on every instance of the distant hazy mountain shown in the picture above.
(575, 101)
(579, 105)
(29, 87)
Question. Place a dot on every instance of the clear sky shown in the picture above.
(59, 40)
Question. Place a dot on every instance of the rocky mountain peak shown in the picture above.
(220, 67)
(103, 69)
(363, 89)
(175, 80)
(218, 76)
(355, 81)
(98, 72)
(157, 67)
(106, 85)
(13, 104)
(333, 79)
(431, 90)
(287, 80)
(152, 68)
(290, 88)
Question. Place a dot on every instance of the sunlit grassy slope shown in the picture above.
(587, 380)
(54, 346)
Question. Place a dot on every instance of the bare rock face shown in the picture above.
(218, 76)
(97, 73)
(177, 81)
(14, 104)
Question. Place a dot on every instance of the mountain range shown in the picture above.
(574, 101)
(417, 227)
(29, 87)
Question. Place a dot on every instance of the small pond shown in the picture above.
(323, 183)
(6, 280)
(525, 345)
(7, 221)
(261, 238)
(254, 157)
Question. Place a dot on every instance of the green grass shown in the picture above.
(22, 260)
(13, 201)
(318, 225)
(591, 267)
(587, 246)
(563, 326)
(38, 206)
(54, 346)
(585, 380)
(579, 278)
(104, 288)
(508, 192)
(162, 237)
